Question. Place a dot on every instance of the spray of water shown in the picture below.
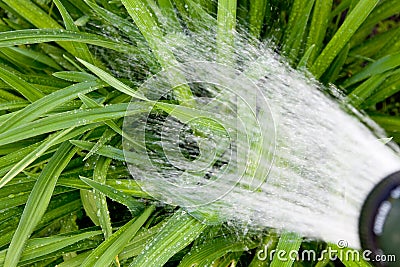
(260, 144)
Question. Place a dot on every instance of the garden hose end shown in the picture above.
(379, 222)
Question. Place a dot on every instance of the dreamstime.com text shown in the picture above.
(331, 253)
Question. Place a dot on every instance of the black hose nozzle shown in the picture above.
(379, 222)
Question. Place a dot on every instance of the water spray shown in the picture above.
(260, 145)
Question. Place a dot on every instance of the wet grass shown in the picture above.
(61, 160)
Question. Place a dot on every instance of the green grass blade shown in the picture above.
(10, 197)
(42, 246)
(33, 36)
(180, 230)
(257, 11)
(148, 26)
(100, 175)
(104, 254)
(74, 76)
(226, 20)
(134, 206)
(127, 27)
(389, 87)
(356, 17)
(108, 151)
(154, 36)
(13, 105)
(29, 58)
(341, 7)
(371, 47)
(384, 10)
(75, 261)
(80, 49)
(138, 243)
(110, 80)
(29, 91)
(35, 15)
(306, 59)
(48, 103)
(366, 89)
(392, 45)
(287, 242)
(382, 65)
(263, 254)
(95, 203)
(318, 27)
(45, 80)
(14, 157)
(129, 187)
(390, 123)
(32, 13)
(38, 202)
(69, 119)
(208, 252)
(296, 28)
(193, 14)
(336, 67)
(89, 205)
(106, 137)
(168, 12)
(31, 157)
(92, 104)
(7, 96)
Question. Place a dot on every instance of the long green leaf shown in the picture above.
(12, 105)
(38, 202)
(180, 230)
(384, 64)
(389, 87)
(288, 242)
(74, 76)
(107, 151)
(69, 119)
(378, 45)
(257, 12)
(133, 205)
(80, 49)
(127, 27)
(138, 243)
(318, 27)
(48, 103)
(14, 157)
(207, 253)
(35, 15)
(358, 95)
(104, 254)
(154, 36)
(296, 28)
(21, 165)
(28, 58)
(226, 20)
(29, 91)
(109, 79)
(356, 17)
(41, 246)
(100, 175)
(390, 123)
(33, 36)
(384, 10)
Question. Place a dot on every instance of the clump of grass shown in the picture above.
(61, 119)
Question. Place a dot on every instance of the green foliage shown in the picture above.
(61, 108)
